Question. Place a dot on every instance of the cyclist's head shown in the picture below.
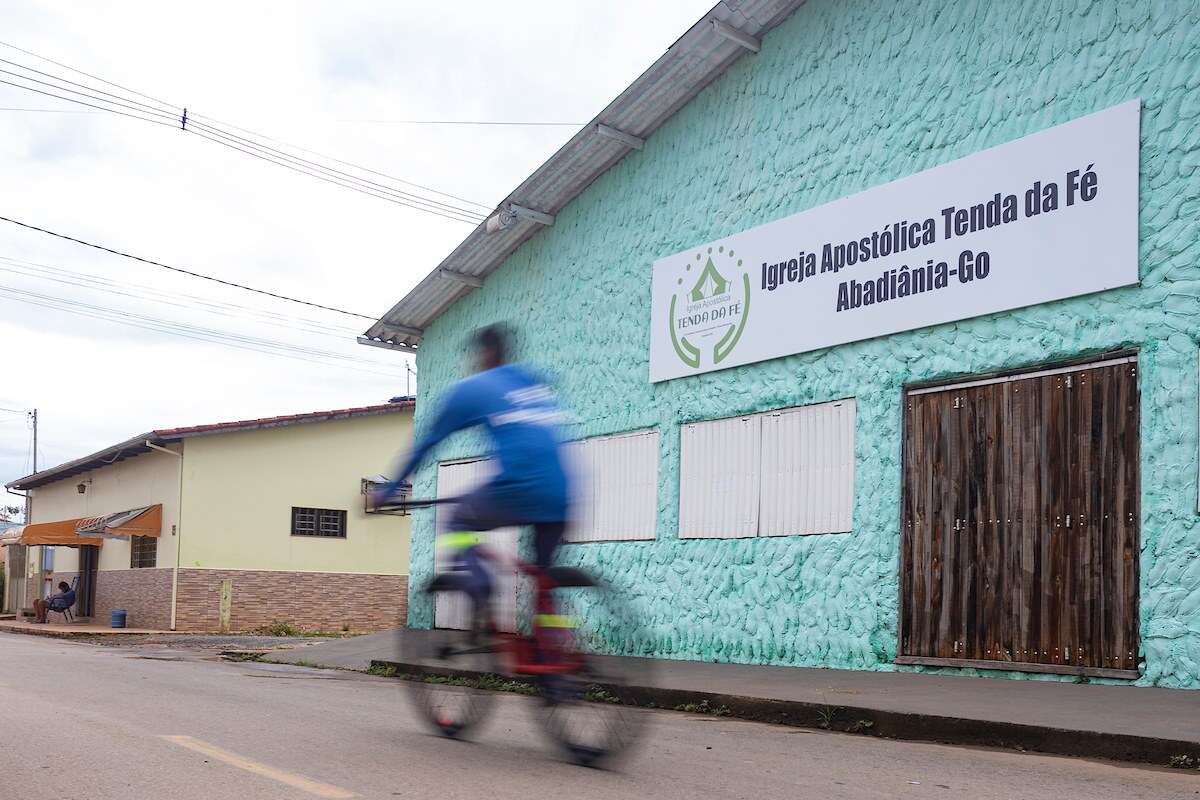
(491, 346)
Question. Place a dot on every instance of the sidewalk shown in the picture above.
(1116, 722)
(68, 631)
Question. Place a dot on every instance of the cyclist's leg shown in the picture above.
(549, 641)
(547, 536)
(464, 530)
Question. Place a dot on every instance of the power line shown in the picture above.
(89, 280)
(176, 114)
(208, 335)
(89, 105)
(185, 326)
(50, 110)
(226, 139)
(354, 184)
(168, 111)
(466, 122)
(345, 163)
(84, 281)
(189, 272)
(81, 72)
(294, 159)
(15, 410)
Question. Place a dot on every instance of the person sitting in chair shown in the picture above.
(60, 601)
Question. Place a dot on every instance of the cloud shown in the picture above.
(296, 72)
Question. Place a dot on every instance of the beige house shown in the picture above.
(231, 526)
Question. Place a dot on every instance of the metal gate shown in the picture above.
(89, 561)
(1020, 523)
(17, 580)
(453, 610)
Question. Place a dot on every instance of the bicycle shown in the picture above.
(585, 695)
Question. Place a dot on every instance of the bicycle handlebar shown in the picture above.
(416, 503)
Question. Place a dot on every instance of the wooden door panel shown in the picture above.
(927, 524)
(984, 634)
(923, 470)
(1019, 523)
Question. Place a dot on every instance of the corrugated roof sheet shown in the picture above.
(690, 64)
(137, 444)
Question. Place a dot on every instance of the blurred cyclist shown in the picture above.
(524, 422)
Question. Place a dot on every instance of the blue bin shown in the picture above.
(118, 618)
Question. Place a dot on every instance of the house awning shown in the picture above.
(144, 521)
(61, 533)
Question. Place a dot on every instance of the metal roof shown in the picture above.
(728, 31)
(140, 444)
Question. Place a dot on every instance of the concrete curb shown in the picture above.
(907, 726)
(37, 630)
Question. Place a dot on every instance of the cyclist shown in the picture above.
(524, 421)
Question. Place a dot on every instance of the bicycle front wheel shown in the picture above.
(444, 665)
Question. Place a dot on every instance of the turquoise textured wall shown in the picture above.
(846, 95)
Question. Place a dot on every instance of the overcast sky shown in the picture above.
(320, 75)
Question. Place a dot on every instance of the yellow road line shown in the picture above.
(290, 779)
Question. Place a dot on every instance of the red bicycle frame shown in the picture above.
(550, 649)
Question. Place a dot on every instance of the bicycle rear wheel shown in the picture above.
(588, 711)
(444, 667)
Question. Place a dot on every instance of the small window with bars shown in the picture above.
(325, 522)
(143, 551)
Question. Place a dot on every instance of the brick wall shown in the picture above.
(144, 593)
(33, 590)
(325, 601)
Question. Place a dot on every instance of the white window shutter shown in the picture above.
(617, 487)
(580, 471)
(626, 486)
(719, 465)
(452, 609)
(808, 469)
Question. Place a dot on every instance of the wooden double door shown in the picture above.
(1019, 539)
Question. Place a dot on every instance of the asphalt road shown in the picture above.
(93, 722)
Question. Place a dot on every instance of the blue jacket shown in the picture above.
(524, 422)
(62, 599)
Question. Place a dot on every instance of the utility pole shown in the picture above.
(28, 497)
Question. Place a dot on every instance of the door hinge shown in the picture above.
(958, 524)
(1068, 381)
(958, 402)
(1068, 520)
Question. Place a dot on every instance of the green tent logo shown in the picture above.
(710, 284)
(708, 312)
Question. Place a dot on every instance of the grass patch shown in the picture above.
(382, 670)
(494, 683)
(703, 707)
(1182, 762)
(283, 628)
(278, 628)
(598, 694)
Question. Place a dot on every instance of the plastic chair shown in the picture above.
(66, 612)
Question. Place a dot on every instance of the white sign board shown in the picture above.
(1048, 216)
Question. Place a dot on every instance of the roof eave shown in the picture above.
(137, 445)
(697, 58)
(101, 458)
